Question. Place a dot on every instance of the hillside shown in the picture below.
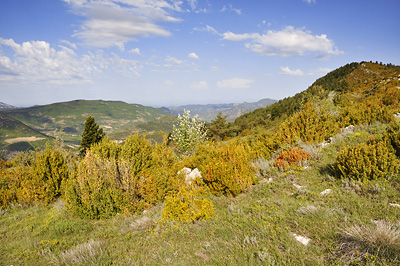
(345, 82)
(16, 136)
(4, 106)
(208, 112)
(312, 180)
(70, 116)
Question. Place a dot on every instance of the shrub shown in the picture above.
(367, 161)
(262, 144)
(95, 189)
(393, 133)
(310, 125)
(291, 157)
(188, 205)
(188, 134)
(225, 169)
(112, 178)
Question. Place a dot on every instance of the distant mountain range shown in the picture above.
(208, 112)
(4, 106)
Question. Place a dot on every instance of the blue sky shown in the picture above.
(175, 52)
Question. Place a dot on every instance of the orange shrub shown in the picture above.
(291, 157)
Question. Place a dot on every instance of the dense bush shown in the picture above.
(393, 133)
(225, 169)
(367, 161)
(112, 178)
(291, 157)
(33, 177)
(262, 144)
(188, 205)
(310, 125)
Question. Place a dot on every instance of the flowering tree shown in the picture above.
(188, 133)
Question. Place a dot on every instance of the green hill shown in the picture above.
(16, 136)
(112, 116)
(350, 79)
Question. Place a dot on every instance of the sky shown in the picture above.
(177, 52)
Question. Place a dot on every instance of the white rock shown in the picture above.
(297, 186)
(192, 175)
(302, 239)
(394, 205)
(326, 191)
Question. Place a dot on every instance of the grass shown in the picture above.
(354, 224)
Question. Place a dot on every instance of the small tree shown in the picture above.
(91, 134)
(189, 133)
(219, 127)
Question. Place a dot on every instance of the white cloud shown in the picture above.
(207, 28)
(287, 42)
(115, 22)
(38, 62)
(235, 83)
(135, 51)
(172, 61)
(310, 1)
(70, 44)
(288, 71)
(193, 56)
(199, 85)
(230, 8)
(192, 4)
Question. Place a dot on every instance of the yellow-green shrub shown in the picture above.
(310, 125)
(367, 161)
(34, 177)
(291, 157)
(112, 178)
(225, 169)
(393, 133)
(187, 205)
(262, 144)
(95, 190)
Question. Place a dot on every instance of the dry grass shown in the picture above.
(89, 253)
(381, 237)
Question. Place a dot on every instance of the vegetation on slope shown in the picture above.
(321, 187)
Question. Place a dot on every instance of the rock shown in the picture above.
(326, 191)
(302, 239)
(394, 205)
(190, 175)
(297, 186)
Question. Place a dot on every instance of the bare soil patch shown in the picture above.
(21, 139)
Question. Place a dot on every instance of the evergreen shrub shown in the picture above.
(225, 169)
(187, 205)
(367, 161)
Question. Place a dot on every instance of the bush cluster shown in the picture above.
(188, 205)
(290, 157)
(310, 125)
(34, 177)
(367, 161)
(112, 178)
(225, 168)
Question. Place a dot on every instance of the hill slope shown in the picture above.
(353, 78)
(16, 136)
(70, 116)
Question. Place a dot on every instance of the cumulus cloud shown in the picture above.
(172, 61)
(135, 51)
(193, 56)
(199, 85)
(287, 42)
(235, 83)
(38, 62)
(288, 71)
(115, 22)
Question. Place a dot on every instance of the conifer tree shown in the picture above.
(91, 134)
